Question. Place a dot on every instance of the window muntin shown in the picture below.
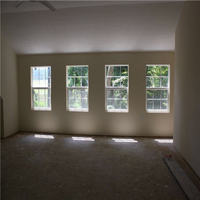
(116, 84)
(77, 88)
(157, 88)
(41, 88)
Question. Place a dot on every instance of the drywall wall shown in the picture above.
(187, 85)
(97, 121)
(9, 88)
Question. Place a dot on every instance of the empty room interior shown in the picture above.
(100, 100)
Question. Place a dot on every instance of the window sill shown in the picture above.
(41, 109)
(158, 111)
(77, 110)
(117, 111)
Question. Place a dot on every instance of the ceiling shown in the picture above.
(9, 6)
(96, 26)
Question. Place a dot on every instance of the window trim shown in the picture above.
(82, 87)
(105, 90)
(31, 81)
(158, 111)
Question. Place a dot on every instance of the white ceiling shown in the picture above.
(90, 26)
(9, 6)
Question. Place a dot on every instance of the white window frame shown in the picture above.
(75, 87)
(158, 88)
(122, 88)
(32, 87)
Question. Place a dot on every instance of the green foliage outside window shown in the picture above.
(157, 70)
(41, 98)
(77, 71)
(77, 83)
(77, 76)
(117, 77)
(157, 87)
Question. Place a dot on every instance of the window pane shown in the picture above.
(117, 93)
(85, 104)
(77, 96)
(78, 104)
(110, 71)
(117, 105)
(124, 94)
(108, 82)
(117, 71)
(115, 81)
(84, 71)
(124, 71)
(124, 81)
(164, 82)
(71, 71)
(41, 98)
(70, 82)
(117, 100)
(156, 78)
(150, 94)
(84, 82)
(41, 76)
(153, 71)
(110, 105)
(164, 94)
(77, 82)
(164, 104)
(164, 71)
(77, 93)
(124, 104)
(78, 71)
(156, 104)
(114, 104)
(149, 71)
(78, 99)
(75, 103)
(149, 104)
(156, 94)
(156, 70)
(156, 82)
(41, 91)
(149, 82)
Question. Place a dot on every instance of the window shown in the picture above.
(77, 88)
(116, 83)
(41, 88)
(157, 88)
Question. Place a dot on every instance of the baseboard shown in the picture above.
(187, 167)
(105, 134)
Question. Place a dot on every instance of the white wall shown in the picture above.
(9, 90)
(137, 122)
(187, 85)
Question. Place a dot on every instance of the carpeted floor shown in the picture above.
(64, 169)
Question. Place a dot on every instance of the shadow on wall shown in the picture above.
(1, 113)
